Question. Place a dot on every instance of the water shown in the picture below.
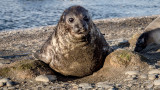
(16, 14)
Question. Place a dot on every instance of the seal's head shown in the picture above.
(76, 20)
(141, 42)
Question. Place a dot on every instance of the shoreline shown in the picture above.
(114, 20)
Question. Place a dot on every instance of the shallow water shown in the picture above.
(16, 14)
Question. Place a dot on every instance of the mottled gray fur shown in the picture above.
(76, 47)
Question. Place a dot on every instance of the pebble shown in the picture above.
(85, 85)
(152, 66)
(1, 84)
(156, 87)
(134, 76)
(136, 68)
(104, 85)
(112, 88)
(132, 73)
(75, 87)
(11, 88)
(46, 78)
(154, 71)
(126, 88)
(129, 79)
(149, 86)
(118, 85)
(5, 88)
(157, 82)
(1, 64)
(143, 76)
(4, 80)
(152, 77)
(9, 84)
(130, 85)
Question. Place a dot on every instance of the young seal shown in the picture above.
(76, 47)
(147, 38)
(151, 35)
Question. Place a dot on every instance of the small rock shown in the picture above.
(104, 85)
(75, 87)
(130, 85)
(129, 76)
(112, 88)
(9, 84)
(46, 84)
(157, 82)
(129, 79)
(1, 64)
(1, 84)
(85, 85)
(143, 76)
(154, 71)
(4, 80)
(132, 73)
(156, 87)
(126, 88)
(136, 68)
(45, 78)
(56, 88)
(52, 77)
(152, 77)
(152, 67)
(142, 86)
(134, 76)
(118, 85)
(11, 88)
(149, 86)
(39, 88)
(5, 88)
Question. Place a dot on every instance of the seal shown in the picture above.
(147, 38)
(76, 47)
(151, 35)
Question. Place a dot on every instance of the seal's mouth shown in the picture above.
(81, 34)
(82, 31)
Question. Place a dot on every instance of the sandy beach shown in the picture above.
(16, 45)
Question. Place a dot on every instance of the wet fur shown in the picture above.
(72, 56)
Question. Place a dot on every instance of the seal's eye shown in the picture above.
(71, 20)
(86, 19)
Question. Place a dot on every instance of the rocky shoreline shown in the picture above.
(18, 45)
